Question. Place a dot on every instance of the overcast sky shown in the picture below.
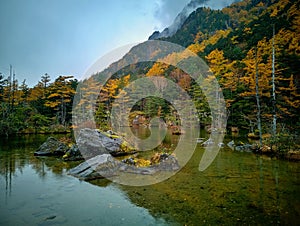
(63, 37)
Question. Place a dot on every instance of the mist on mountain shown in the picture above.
(184, 14)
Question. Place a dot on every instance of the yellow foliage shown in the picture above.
(288, 40)
(247, 30)
(198, 48)
(264, 69)
(260, 4)
(199, 36)
(275, 12)
(36, 93)
(51, 104)
(274, 9)
(238, 12)
(54, 95)
(111, 87)
(157, 69)
(142, 163)
(222, 69)
(126, 79)
(233, 39)
(125, 146)
(294, 12)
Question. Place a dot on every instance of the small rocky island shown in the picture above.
(99, 150)
(106, 154)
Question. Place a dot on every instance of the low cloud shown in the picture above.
(167, 10)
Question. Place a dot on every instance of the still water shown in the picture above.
(237, 189)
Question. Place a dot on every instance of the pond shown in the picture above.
(238, 188)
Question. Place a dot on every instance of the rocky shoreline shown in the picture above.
(99, 150)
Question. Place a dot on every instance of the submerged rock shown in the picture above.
(241, 147)
(52, 147)
(244, 148)
(293, 155)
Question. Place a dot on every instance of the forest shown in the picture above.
(252, 48)
(44, 108)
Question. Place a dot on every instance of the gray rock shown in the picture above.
(73, 154)
(208, 142)
(231, 145)
(87, 170)
(92, 143)
(221, 145)
(107, 166)
(168, 163)
(52, 147)
(243, 148)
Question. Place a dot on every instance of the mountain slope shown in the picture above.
(206, 20)
(232, 41)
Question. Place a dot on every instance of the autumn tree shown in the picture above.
(45, 79)
(88, 92)
(158, 69)
(60, 97)
(223, 70)
(262, 58)
(24, 89)
(109, 91)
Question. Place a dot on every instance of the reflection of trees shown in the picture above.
(6, 169)
(17, 153)
(235, 186)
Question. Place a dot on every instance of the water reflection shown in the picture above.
(17, 152)
(238, 188)
(38, 192)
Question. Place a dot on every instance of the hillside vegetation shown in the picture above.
(236, 42)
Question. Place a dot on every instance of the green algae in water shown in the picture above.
(238, 188)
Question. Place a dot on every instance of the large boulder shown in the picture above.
(87, 170)
(92, 142)
(52, 147)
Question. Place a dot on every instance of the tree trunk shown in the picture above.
(273, 85)
(257, 100)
